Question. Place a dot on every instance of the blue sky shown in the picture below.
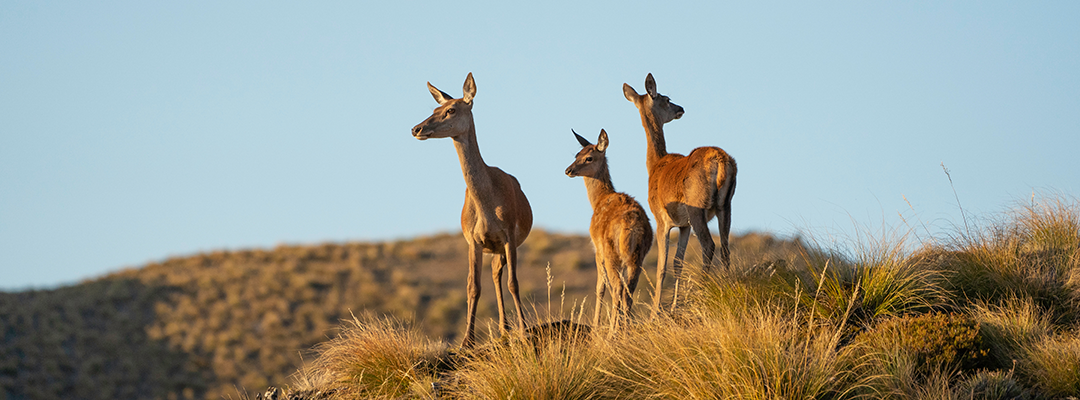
(131, 132)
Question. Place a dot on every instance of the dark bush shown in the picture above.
(934, 340)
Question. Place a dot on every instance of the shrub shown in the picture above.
(946, 341)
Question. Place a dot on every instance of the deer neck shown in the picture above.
(599, 187)
(654, 130)
(473, 168)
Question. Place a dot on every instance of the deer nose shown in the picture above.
(679, 111)
(417, 132)
(570, 171)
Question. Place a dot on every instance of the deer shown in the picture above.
(496, 217)
(620, 230)
(684, 191)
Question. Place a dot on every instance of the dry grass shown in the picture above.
(549, 369)
(834, 323)
(1052, 365)
(787, 321)
(754, 353)
(992, 385)
(374, 358)
(1034, 252)
(879, 278)
(1011, 326)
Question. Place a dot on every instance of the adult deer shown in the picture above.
(684, 191)
(496, 217)
(620, 229)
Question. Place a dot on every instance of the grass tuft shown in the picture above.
(556, 368)
(992, 385)
(1033, 253)
(374, 358)
(1053, 365)
(880, 279)
(753, 353)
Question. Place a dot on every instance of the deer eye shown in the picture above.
(588, 159)
(451, 111)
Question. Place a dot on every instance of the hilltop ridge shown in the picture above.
(216, 324)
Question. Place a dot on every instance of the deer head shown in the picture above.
(590, 161)
(453, 117)
(653, 103)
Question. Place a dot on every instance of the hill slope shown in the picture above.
(219, 324)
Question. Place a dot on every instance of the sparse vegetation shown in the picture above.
(990, 313)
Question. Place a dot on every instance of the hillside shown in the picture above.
(988, 312)
(230, 322)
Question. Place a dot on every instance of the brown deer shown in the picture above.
(496, 217)
(620, 230)
(684, 191)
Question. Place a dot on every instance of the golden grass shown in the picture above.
(754, 353)
(1033, 253)
(1053, 364)
(518, 369)
(810, 323)
(374, 358)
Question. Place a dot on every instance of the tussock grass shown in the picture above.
(1053, 365)
(1034, 252)
(990, 313)
(758, 286)
(754, 353)
(992, 385)
(374, 358)
(881, 278)
(1011, 326)
(551, 368)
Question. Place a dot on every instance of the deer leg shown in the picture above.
(512, 282)
(497, 262)
(617, 292)
(700, 224)
(601, 287)
(476, 256)
(662, 231)
(724, 217)
(633, 273)
(680, 250)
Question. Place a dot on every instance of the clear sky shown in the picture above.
(131, 132)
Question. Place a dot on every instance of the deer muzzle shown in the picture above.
(418, 132)
(570, 171)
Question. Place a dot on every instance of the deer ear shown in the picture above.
(582, 141)
(469, 89)
(630, 93)
(602, 142)
(650, 85)
(439, 95)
